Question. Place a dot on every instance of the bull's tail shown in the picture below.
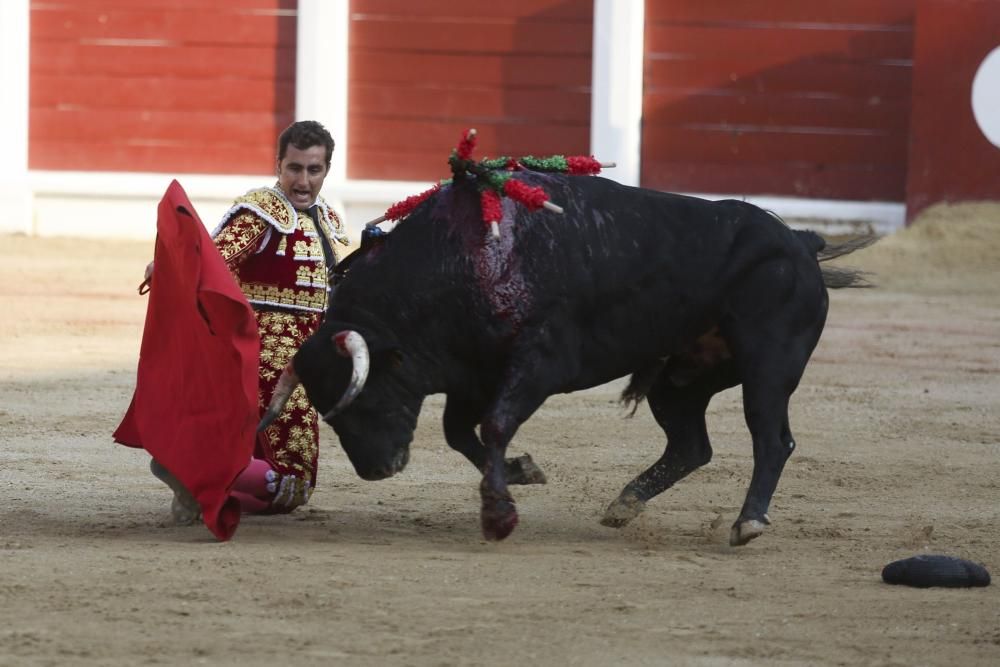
(836, 277)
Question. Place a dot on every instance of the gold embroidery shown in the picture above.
(310, 299)
(333, 228)
(303, 276)
(309, 250)
(237, 239)
(319, 277)
(273, 203)
(293, 438)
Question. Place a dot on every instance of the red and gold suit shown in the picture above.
(276, 255)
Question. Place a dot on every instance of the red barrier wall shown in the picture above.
(951, 159)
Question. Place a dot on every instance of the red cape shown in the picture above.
(195, 403)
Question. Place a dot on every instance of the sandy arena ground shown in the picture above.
(898, 454)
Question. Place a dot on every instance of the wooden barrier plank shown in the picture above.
(556, 10)
(774, 11)
(399, 165)
(463, 69)
(861, 182)
(161, 93)
(234, 25)
(778, 44)
(193, 6)
(680, 107)
(439, 137)
(749, 148)
(488, 37)
(247, 62)
(141, 126)
(760, 76)
(464, 105)
(167, 159)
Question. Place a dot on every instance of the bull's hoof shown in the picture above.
(497, 526)
(522, 470)
(625, 508)
(744, 531)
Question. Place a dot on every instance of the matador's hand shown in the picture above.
(147, 279)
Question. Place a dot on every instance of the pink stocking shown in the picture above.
(250, 504)
(251, 489)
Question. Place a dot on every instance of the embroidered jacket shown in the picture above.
(275, 251)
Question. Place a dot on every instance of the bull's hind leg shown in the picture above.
(460, 420)
(774, 321)
(680, 411)
(772, 361)
(765, 406)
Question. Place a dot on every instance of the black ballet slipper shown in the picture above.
(929, 570)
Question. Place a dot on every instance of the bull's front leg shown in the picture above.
(460, 420)
(498, 514)
(533, 373)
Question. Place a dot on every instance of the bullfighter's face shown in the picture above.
(376, 429)
(301, 173)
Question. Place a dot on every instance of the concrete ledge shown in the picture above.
(123, 205)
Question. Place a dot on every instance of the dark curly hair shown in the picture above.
(305, 134)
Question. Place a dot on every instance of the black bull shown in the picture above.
(689, 296)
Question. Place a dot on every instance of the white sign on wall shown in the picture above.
(986, 96)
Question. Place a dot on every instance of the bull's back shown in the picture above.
(633, 274)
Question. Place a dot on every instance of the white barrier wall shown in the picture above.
(15, 191)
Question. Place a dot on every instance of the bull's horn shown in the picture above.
(351, 344)
(283, 389)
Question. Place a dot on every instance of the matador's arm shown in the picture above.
(241, 237)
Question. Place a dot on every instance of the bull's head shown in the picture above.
(350, 383)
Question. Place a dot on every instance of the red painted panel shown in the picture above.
(440, 9)
(782, 11)
(285, 6)
(774, 145)
(141, 126)
(223, 158)
(950, 157)
(795, 179)
(438, 138)
(451, 70)
(681, 107)
(460, 105)
(492, 37)
(160, 93)
(162, 85)
(769, 44)
(207, 62)
(796, 76)
(139, 22)
(794, 94)
(422, 73)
